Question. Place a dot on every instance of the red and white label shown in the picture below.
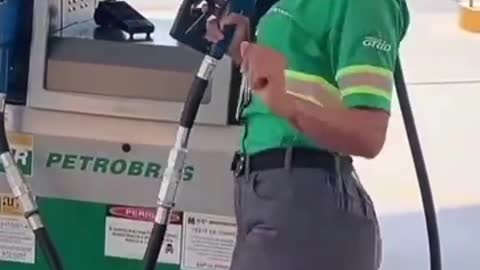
(127, 230)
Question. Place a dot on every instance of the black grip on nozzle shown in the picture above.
(48, 249)
(221, 47)
(154, 245)
(192, 104)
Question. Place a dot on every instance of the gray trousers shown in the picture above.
(304, 219)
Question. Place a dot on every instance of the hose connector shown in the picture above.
(21, 191)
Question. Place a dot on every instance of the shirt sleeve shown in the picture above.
(365, 43)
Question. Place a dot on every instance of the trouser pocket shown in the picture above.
(353, 197)
(267, 195)
(370, 214)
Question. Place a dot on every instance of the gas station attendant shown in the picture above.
(321, 73)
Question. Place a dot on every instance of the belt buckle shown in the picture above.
(238, 165)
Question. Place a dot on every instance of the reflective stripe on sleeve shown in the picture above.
(366, 97)
(312, 88)
(355, 69)
(366, 86)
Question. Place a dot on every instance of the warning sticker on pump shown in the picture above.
(17, 241)
(127, 230)
(22, 152)
(208, 241)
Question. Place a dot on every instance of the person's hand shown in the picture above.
(242, 32)
(265, 69)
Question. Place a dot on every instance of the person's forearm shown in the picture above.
(348, 131)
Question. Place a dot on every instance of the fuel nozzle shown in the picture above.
(189, 26)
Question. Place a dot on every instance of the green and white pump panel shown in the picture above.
(93, 141)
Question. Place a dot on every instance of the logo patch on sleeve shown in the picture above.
(377, 43)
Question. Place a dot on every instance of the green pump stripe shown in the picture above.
(306, 77)
(365, 89)
(363, 68)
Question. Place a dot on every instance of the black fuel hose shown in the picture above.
(177, 156)
(420, 169)
(4, 146)
(22, 193)
(48, 248)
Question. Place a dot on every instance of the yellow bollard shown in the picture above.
(470, 17)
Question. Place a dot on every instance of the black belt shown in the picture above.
(275, 159)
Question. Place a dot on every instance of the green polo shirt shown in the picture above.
(326, 42)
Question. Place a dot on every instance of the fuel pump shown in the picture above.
(188, 29)
(11, 17)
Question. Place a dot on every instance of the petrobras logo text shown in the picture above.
(377, 43)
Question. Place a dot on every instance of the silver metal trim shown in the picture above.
(162, 215)
(183, 135)
(35, 222)
(3, 98)
(17, 184)
(244, 97)
(172, 177)
(207, 67)
(174, 171)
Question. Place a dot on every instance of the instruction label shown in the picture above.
(128, 229)
(208, 241)
(17, 241)
(22, 152)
